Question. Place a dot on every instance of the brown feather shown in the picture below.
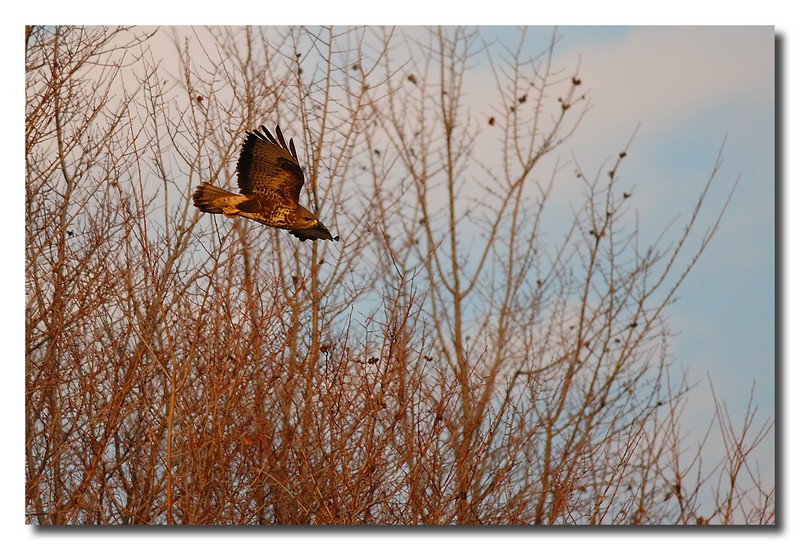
(268, 164)
(270, 179)
(210, 198)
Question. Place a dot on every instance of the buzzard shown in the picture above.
(270, 179)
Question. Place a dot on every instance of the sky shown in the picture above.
(689, 90)
(688, 93)
(686, 90)
(682, 96)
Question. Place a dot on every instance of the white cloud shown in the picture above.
(662, 75)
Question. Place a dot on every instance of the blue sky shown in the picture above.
(688, 89)
(687, 92)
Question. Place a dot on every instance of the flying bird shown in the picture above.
(270, 179)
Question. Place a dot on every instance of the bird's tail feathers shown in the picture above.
(210, 198)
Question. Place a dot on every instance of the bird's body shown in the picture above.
(270, 179)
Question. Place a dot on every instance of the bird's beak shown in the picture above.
(323, 232)
(319, 231)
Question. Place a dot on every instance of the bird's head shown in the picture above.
(304, 218)
(307, 226)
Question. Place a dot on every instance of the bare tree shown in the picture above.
(452, 360)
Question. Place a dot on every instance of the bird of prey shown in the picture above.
(270, 179)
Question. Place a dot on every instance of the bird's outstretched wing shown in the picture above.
(267, 165)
